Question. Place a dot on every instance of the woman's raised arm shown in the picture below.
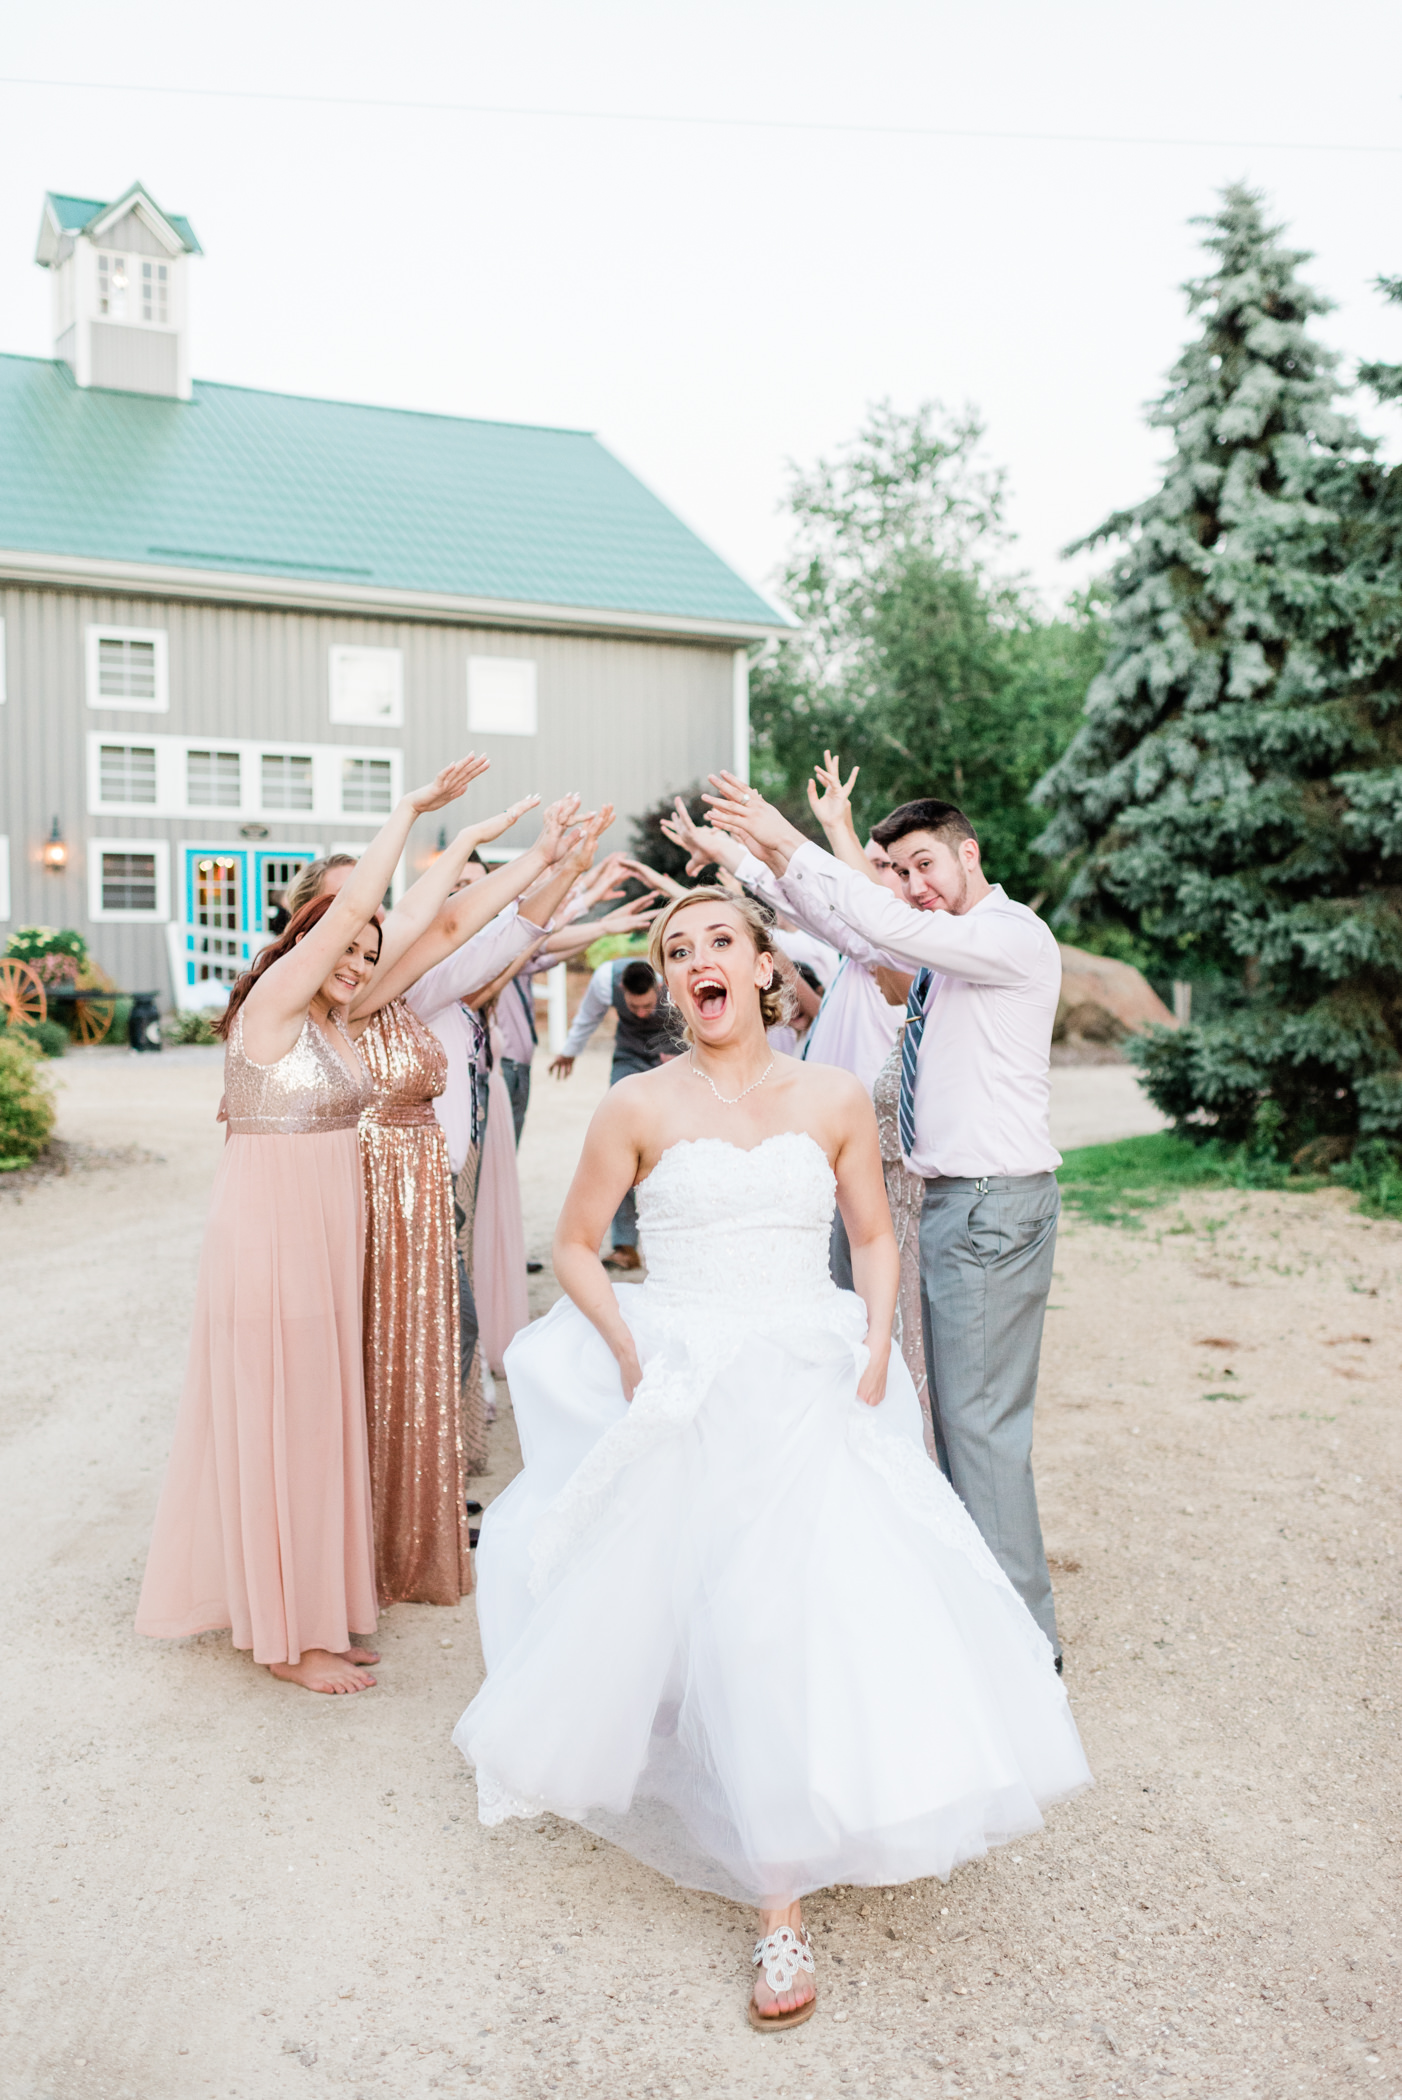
(276, 1007)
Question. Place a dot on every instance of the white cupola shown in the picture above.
(119, 293)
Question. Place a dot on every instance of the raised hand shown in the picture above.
(641, 872)
(833, 808)
(629, 918)
(592, 830)
(703, 846)
(449, 784)
(556, 838)
(493, 827)
(744, 813)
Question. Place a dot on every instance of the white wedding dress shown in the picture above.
(745, 1628)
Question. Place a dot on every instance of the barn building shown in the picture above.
(234, 624)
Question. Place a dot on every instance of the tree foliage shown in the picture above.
(1235, 791)
(915, 660)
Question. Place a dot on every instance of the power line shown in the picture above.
(710, 123)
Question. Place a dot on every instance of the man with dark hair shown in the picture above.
(974, 1108)
(644, 1038)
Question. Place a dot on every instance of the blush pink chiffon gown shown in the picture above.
(264, 1521)
(499, 1237)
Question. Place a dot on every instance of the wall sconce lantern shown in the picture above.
(55, 854)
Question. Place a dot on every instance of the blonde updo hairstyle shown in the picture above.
(776, 1004)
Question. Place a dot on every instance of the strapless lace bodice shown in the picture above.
(747, 1226)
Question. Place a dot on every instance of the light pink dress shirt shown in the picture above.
(854, 1027)
(437, 999)
(983, 1081)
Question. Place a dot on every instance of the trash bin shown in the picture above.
(144, 1027)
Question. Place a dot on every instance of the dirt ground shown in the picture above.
(215, 1885)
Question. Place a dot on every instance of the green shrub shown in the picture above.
(610, 946)
(49, 1038)
(1375, 1175)
(32, 944)
(26, 1105)
(195, 1026)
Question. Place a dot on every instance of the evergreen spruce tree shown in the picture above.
(1234, 792)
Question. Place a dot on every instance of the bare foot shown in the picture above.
(321, 1671)
(770, 2004)
(358, 1654)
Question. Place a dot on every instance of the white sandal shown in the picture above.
(783, 1953)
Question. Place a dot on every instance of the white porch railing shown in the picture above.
(204, 961)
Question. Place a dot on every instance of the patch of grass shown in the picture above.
(1116, 1184)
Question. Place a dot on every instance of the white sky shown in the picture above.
(716, 301)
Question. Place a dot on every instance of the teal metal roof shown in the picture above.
(278, 485)
(73, 213)
(76, 213)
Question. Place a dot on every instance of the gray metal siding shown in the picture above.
(130, 237)
(623, 719)
(137, 360)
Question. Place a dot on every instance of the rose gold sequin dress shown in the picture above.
(264, 1520)
(905, 1192)
(411, 1320)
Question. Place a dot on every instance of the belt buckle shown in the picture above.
(981, 1185)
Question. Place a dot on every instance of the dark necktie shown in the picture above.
(910, 1053)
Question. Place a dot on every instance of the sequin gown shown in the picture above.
(411, 1320)
(263, 1523)
(905, 1192)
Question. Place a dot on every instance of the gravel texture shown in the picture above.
(216, 1885)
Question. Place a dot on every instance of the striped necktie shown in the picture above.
(910, 1053)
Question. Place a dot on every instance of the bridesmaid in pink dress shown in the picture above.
(264, 1521)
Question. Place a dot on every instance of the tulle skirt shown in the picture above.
(745, 1629)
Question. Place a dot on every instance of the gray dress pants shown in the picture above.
(986, 1252)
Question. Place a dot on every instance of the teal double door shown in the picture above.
(230, 894)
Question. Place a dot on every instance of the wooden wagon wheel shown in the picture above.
(92, 1018)
(22, 993)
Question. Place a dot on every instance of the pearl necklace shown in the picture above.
(731, 1100)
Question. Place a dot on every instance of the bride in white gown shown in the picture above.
(734, 1619)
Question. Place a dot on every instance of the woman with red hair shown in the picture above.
(264, 1522)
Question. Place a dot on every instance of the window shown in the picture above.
(366, 785)
(127, 773)
(2, 663)
(127, 668)
(501, 698)
(367, 686)
(276, 874)
(128, 879)
(213, 779)
(287, 781)
(112, 287)
(155, 291)
(128, 882)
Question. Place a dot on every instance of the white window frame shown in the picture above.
(343, 656)
(491, 713)
(4, 879)
(217, 748)
(160, 849)
(359, 758)
(160, 704)
(4, 688)
(172, 780)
